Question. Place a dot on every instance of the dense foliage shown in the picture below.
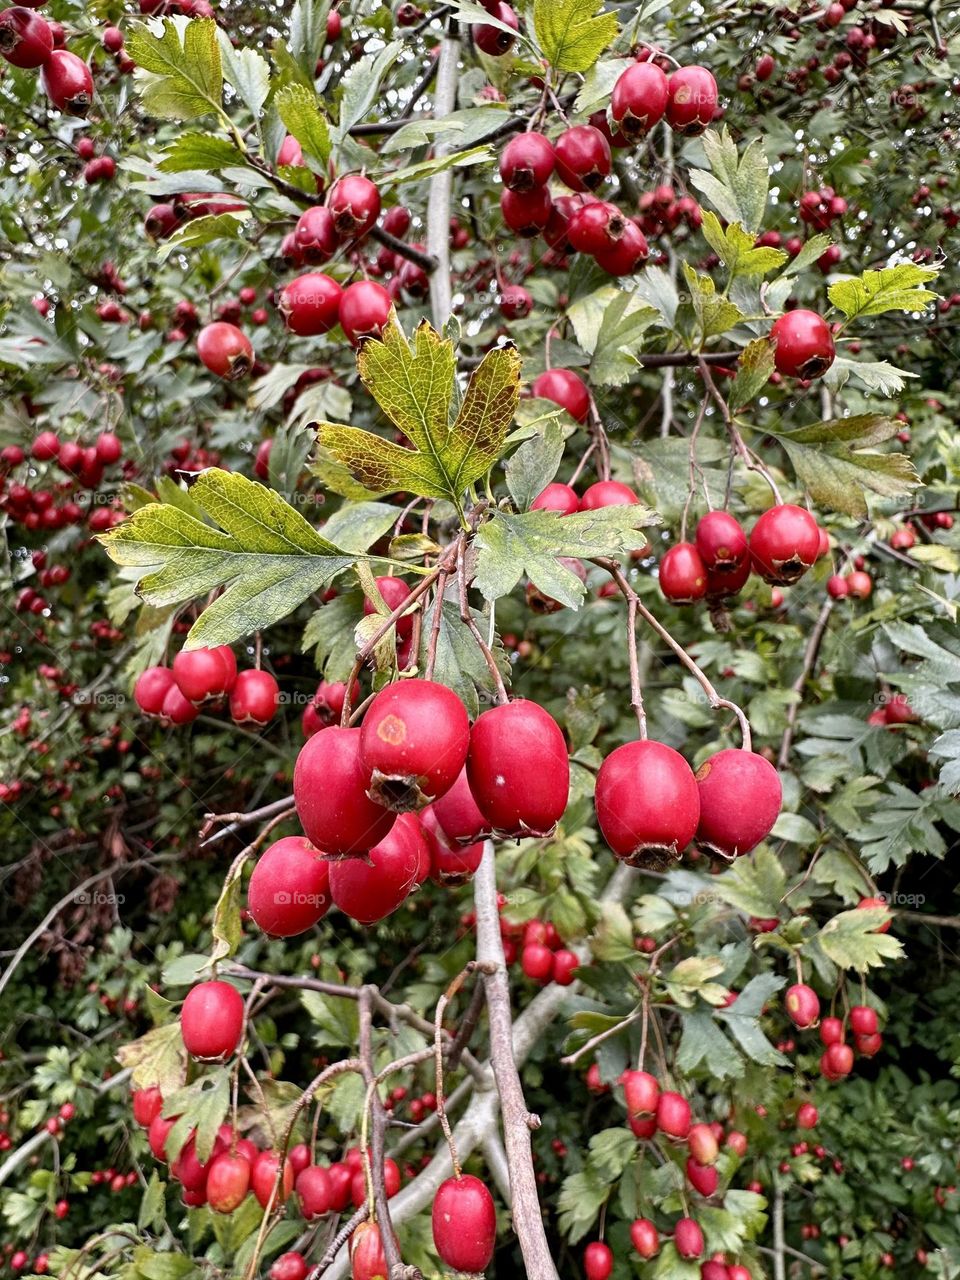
(304, 310)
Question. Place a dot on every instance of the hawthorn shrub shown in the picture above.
(481, 727)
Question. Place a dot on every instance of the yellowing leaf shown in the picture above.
(179, 74)
(892, 289)
(572, 33)
(736, 249)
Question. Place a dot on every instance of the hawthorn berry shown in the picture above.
(265, 1175)
(147, 1103)
(289, 1266)
(254, 698)
(314, 1187)
(413, 742)
(804, 344)
(691, 101)
(837, 586)
(740, 798)
(204, 673)
(516, 799)
(526, 212)
(688, 1238)
(837, 1061)
(702, 1144)
(527, 161)
(289, 891)
(645, 1238)
(516, 302)
(354, 204)
(803, 1005)
(807, 1116)
(227, 1182)
(556, 497)
(863, 1020)
(177, 709)
(157, 1134)
(624, 257)
(704, 1178)
(316, 236)
(371, 888)
(491, 40)
(784, 543)
(450, 864)
(607, 493)
(639, 100)
(596, 227)
(25, 38)
(721, 541)
(565, 388)
(367, 1260)
(536, 961)
(565, 965)
(45, 447)
(458, 814)
(831, 1031)
(647, 803)
(683, 577)
(673, 1115)
(67, 82)
(330, 784)
(365, 310)
(310, 304)
(151, 689)
(859, 584)
(464, 1224)
(211, 1021)
(583, 157)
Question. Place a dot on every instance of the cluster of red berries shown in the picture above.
(55, 507)
(20, 1261)
(819, 208)
(803, 1006)
(543, 957)
(175, 694)
(895, 710)
(102, 168)
(30, 42)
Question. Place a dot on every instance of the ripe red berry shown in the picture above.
(316, 236)
(157, 1135)
(639, 100)
(596, 227)
(493, 41)
(147, 1103)
(289, 1266)
(25, 38)
(254, 698)
(583, 157)
(624, 257)
(109, 448)
(565, 965)
(831, 1031)
(516, 798)
(784, 543)
(765, 66)
(67, 82)
(112, 39)
(837, 586)
(314, 1191)
(702, 1144)
(211, 1021)
(330, 786)
(565, 388)
(45, 447)
(289, 890)
(641, 1093)
(413, 742)
(837, 1060)
(228, 1181)
(334, 26)
(354, 204)
(740, 798)
(597, 1261)
(804, 344)
(536, 961)
(859, 584)
(204, 673)
(516, 302)
(464, 1224)
(645, 1238)
(692, 100)
(673, 1115)
(310, 304)
(721, 542)
(450, 864)
(151, 689)
(703, 1178)
(526, 212)
(869, 1046)
(367, 1260)
(372, 888)
(688, 1238)
(863, 1020)
(683, 577)
(527, 161)
(803, 1005)
(556, 497)
(264, 1174)
(647, 803)
(177, 709)
(607, 493)
(807, 1116)
(365, 309)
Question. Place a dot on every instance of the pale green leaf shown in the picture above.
(737, 186)
(573, 33)
(851, 939)
(178, 73)
(300, 112)
(897, 288)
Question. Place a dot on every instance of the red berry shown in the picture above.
(372, 888)
(450, 864)
(692, 100)
(211, 1021)
(804, 344)
(784, 543)
(703, 1178)
(516, 302)
(316, 236)
(413, 743)
(837, 586)
(396, 220)
(536, 961)
(607, 493)
(831, 1031)
(334, 26)
(526, 162)
(314, 1191)
(205, 673)
(67, 82)
(367, 1261)
(645, 1238)
(765, 66)
(863, 1020)
(365, 309)
(25, 38)
(582, 157)
(45, 447)
(807, 1116)
(647, 803)
(740, 798)
(837, 1060)
(112, 39)
(639, 100)
(354, 204)
(254, 698)
(803, 1005)
(596, 227)
(176, 708)
(673, 1115)
(556, 497)
(688, 1238)
(492, 40)
(515, 797)
(683, 577)
(263, 1178)
(566, 389)
(289, 1266)
(565, 965)
(641, 1092)
(310, 304)
(868, 1046)
(526, 212)
(109, 448)
(702, 1144)
(597, 1261)
(721, 542)
(624, 257)
(147, 1103)
(330, 788)
(289, 891)
(228, 1180)
(299, 1157)
(458, 815)
(464, 1224)
(151, 689)
(859, 584)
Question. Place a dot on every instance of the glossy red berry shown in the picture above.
(316, 236)
(597, 1261)
(516, 302)
(354, 204)
(583, 157)
(683, 577)
(784, 543)
(647, 803)
(254, 698)
(367, 1260)
(837, 1060)
(556, 497)
(692, 100)
(151, 689)
(450, 864)
(176, 708)
(310, 304)
(413, 742)
(365, 309)
(25, 38)
(464, 1224)
(536, 961)
(112, 39)
(393, 592)
(803, 1005)
(205, 673)
(740, 798)
(491, 40)
(211, 1021)
(702, 1144)
(639, 100)
(673, 1115)
(565, 965)
(527, 162)
(863, 1020)
(831, 1031)
(526, 212)
(314, 1191)
(330, 786)
(607, 493)
(228, 1181)
(645, 1238)
(158, 1133)
(721, 542)
(804, 344)
(516, 798)
(289, 890)
(289, 1266)
(147, 1103)
(458, 814)
(67, 82)
(688, 1239)
(265, 1176)
(807, 1116)
(703, 1178)
(45, 447)
(565, 388)
(396, 220)
(334, 26)
(370, 889)
(837, 586)
(859, 584)
(624, 257)
(109, 447)
(596, 227)
(765, 66)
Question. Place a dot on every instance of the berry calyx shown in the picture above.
(565, 388)
(413, 741)
(784, 543)
(225, 350)
(504, 742)
(740, 799)
(211, 1021)
(354, 204)
(289, 891)
(804, 344)
(647, 803)
(464, 1224)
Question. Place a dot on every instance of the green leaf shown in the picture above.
(947, 747)
(179, 73)
(247, 71)
(465, 128)
(897, 288)
(414, 386)
(795, 829)
(753, 373)
(573, 33)
(459, 662)
(362, 87)
(335, 1019)
(534, 465)
(811, 251)
(581, 1198)
(851, 940)
(203, 1106)
(613, 939)
(437, 164)
(902, 822)
(330, 632)
(201, 231)
(715, 313)
(264, 552)
(626, 319)
(199, 151)
(736, 250)
(358, 525)
(227, 926)
(737, 186)
(299, 110)
(611, 1150)
(742, 1022)
(162, 1266)
(152, 1213)
(702, 1041)
(308, 34)
(756, 884)
(513, 545)
(157, 1058)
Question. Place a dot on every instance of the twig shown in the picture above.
(424, 260)
(441, 184)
